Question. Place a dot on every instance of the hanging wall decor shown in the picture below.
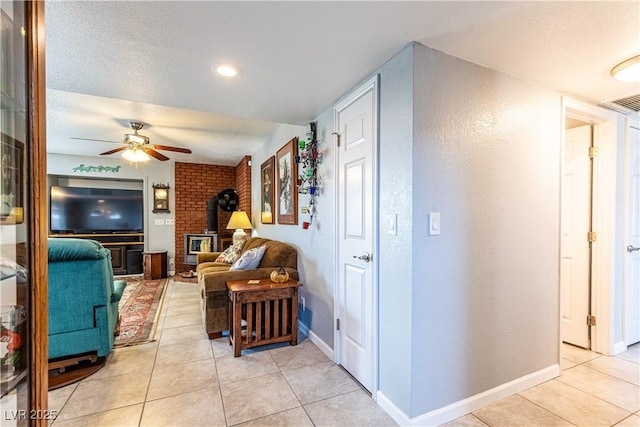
(308, 181)
(266, 193)
(160, 198)
(287, 170)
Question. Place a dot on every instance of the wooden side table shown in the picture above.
(270, 310)
(154, 264)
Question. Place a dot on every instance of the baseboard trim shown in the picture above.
(316, 340)
(465, 406)
(619, 347)
(394, 412)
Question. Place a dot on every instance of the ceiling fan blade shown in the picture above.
(115, 150)
(99, 140)
(168, 148)
(154, 153)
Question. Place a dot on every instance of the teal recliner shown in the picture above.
(82, 297)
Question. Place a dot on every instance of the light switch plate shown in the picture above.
(169, 221)
(434, 223)
(392, 224)
(158, 221)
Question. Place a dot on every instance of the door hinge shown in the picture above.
(591, 320)
(337, 137)
(337, 324)
(592, 236)
(593, 152)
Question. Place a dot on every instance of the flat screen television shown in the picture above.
(95, 210)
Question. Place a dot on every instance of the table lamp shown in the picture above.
(239, 221)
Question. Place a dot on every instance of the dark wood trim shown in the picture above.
(39, 382)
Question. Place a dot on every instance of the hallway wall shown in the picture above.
(475, 307)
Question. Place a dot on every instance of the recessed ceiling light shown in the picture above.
(226, 70)
(627, 71)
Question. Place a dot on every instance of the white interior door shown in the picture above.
(632, 261)
(356, 120)
(576, 223)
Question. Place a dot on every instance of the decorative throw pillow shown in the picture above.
(250, 259)
(232, 253)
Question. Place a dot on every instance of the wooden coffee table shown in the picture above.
(269, 309)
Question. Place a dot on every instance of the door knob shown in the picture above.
(630, 249)
(366, 257)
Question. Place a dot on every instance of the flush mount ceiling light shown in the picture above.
(226, 70)
(627, 71)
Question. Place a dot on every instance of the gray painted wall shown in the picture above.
(486, 155)
(315, 245)
(396, 194)
(476, 306)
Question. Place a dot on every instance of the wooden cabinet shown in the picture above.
(121, 245)
(118, 259)
(154, 264)
(269, 309)
(23, 223)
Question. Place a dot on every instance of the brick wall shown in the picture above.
(194, 185)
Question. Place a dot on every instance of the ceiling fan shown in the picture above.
(137, 147)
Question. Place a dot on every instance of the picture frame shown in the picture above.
(198, 243)
(11, 180)
(266, 190)
(287, 174)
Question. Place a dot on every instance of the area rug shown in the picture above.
(140, 308)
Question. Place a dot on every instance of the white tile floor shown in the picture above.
(593, 390)
(183, 379)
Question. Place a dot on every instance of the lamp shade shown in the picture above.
(239, 219)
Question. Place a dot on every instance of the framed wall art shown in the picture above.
(266, 186)
(160, 198)
(11, 188)
(287, 174)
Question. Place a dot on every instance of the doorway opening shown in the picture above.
(576, 233)
(601, 302)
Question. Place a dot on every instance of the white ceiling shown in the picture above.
(109, 62)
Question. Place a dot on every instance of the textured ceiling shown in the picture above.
(109, 62)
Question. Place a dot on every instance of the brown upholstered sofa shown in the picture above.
(212, 278)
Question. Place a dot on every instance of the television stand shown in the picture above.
(126, 249)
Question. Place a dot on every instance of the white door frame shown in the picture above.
(371, 84)
(635, 124)
(604, 250)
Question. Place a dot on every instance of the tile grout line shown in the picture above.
(543, 408)
(604, 373)
(594, 396)
(157, 344)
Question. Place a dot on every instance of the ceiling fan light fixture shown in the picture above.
(134, 155)
(135, 138)
(627, 71)
(226, 70)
